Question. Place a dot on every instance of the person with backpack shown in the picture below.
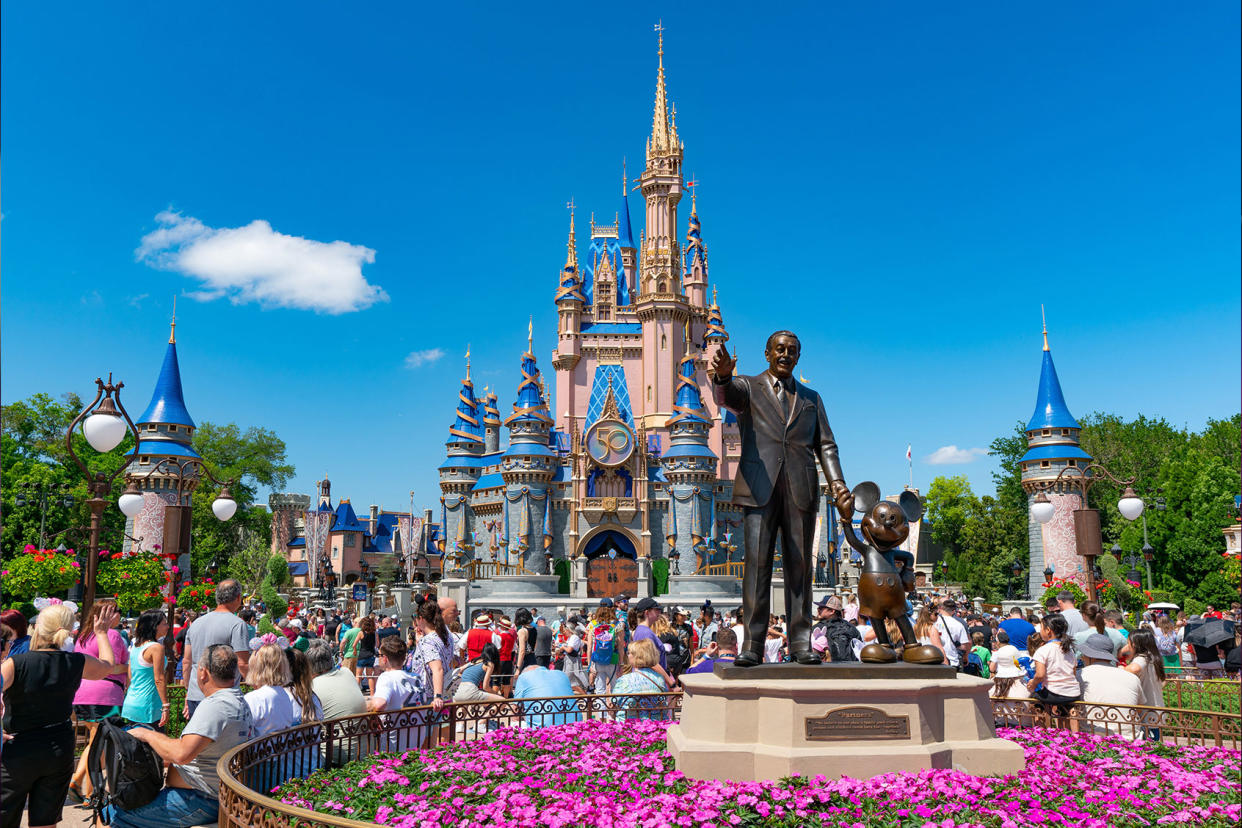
(832, 637)
(219, 723)
(603, 641)
(979, 657)
(953, 638)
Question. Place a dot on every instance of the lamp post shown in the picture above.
(104, 423)
(1049, 571)
(1151, 501)
(57, 493)
(1133, 559)
(1086, 520)
(1015, 574)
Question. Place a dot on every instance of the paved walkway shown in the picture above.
(74, 816)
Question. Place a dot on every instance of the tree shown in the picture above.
(253, 458)
(249, 566)
(949, 505)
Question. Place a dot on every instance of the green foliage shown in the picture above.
(659, 574)
(277, 574)
(1061, 585)
(254, 458)
(39, 572)
(561, 569)
(134, 581)
(32, 451)
(199, 596)
(249, 566)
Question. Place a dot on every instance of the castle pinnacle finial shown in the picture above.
(467, 360)
(571, 256)
(1045, 318)
(693, 186)
(625, 179)
(530, 335)
(659, 120)
(172, 333)
(713, 296)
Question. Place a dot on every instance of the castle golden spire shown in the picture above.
(1045, 318)
(172, 332)
(467, 362)
(660, 141)
(571, 255)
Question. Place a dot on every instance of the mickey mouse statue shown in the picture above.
(881, 587)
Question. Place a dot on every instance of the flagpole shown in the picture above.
(910, 462)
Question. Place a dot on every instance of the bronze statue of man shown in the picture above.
(783, 428)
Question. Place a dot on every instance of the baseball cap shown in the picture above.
(623, 598)
(1098, 645)
(681, 611)
(830, 601)
(605, 602)
(647, 604)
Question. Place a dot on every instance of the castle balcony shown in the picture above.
(624, 508)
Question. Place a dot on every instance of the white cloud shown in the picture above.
(952, 456)
(417, 359)
(255, 263)
(136, 301)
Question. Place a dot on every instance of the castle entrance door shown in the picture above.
(611, 566)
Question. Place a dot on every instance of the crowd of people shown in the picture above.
(322, 664)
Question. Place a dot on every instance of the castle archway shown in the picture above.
(612, 565)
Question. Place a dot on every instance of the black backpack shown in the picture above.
(841, 636)
(124, 772)
(678, 656)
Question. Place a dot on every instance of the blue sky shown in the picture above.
(919, 179)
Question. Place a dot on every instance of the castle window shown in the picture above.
(349, 540)
(663, 342)
(1065, 432)
(648, 393)
(1047, 432)
(144, 460)
(1073, 463)
(152, 427)
(1044, 464)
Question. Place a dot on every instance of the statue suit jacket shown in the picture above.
(769, 441)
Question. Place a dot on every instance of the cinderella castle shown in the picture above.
(623, 459)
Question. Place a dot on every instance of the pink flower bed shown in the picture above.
(620, 774)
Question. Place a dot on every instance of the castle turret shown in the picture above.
(690, 467)
(625, 237)
(528, 465)
(461, 469)
(695, 274)
(715, 333)
(491, 424)
(165, 466)
(661, 183)
(1052, 445)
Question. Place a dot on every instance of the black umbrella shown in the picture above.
(1209, 632)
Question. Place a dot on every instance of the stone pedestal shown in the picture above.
(644, 578)
(844, 722)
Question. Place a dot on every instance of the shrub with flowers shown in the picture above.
(40, 572)
(1051, 588)
(602, 773)
(199, 596)
(134, 580)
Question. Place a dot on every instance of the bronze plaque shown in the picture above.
(851, 723)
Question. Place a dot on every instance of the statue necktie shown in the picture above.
(783, 395)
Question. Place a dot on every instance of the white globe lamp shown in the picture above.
(1130, 505)
(1042, 509)
(224, 506)
(131, 500)
(104, 428)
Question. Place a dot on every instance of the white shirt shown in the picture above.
(1058, 669)
(740, 632)
(953, 636)
(1153, 692)
(772, 650)
(1105, 684)
(1008, 657)
(275, 708)
(397, 688)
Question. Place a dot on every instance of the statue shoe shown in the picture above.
(746, 659)
(922, 654)
(807, 657)
(877, 654)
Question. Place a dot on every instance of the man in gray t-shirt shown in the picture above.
(220, 723)
(219, 627)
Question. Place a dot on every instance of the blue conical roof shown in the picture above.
(623, 222)
(167, 403)
(1050, 408)
(694, 239)
(346, 520)
(466, 429)
(529, 404)
(689, 403)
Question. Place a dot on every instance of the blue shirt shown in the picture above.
(646, 633)
(1018, 630)
(706, 665)
(542, 683)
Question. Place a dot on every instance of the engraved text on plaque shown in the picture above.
(848, 723)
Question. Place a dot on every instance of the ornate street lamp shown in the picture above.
(1087, 520)
(103, 423)
(1049, 571)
